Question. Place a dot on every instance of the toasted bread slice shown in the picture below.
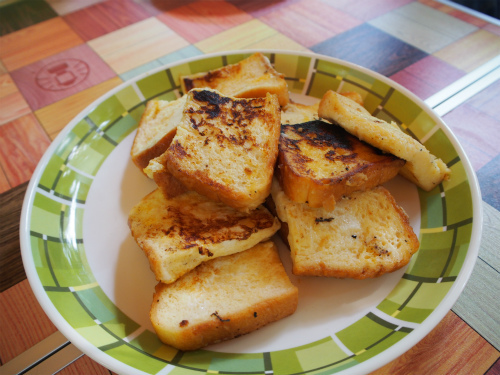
(367, 235)
(156, 130)
(224, 298)
(168, 184)
(225, 148)
(252, 77)
(297, 113)
(422, 168)
(319, 162)
(180, 233)
(353, 95)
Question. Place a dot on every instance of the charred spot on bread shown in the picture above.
(217, 228)
(203, 251)
(213, 102)
(321, 134)
(323, 219)
(210, 97)
(188, 83)
(216, 314)
(177, 149)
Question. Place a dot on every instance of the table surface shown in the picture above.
(446, 55)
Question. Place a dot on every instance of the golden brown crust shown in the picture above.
(226, 148)
(222, 327)
(319, 163)
(156, 130)
(141, 159)
(168, 184)
(252, 77)
(240, 293)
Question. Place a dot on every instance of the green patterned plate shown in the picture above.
(94, 282)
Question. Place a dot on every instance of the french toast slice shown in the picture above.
(353, 95)
(178, 234)
(225, 148)
(252, 77)
(156, 130)
(319, 163)
(367, 235)
(297, 113)
(422, 168)
(224, 298)
(168, 184)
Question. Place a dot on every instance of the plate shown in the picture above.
(94, 282)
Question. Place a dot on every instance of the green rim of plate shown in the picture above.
(55, 227)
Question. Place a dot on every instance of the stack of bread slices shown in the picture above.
(235, 161)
